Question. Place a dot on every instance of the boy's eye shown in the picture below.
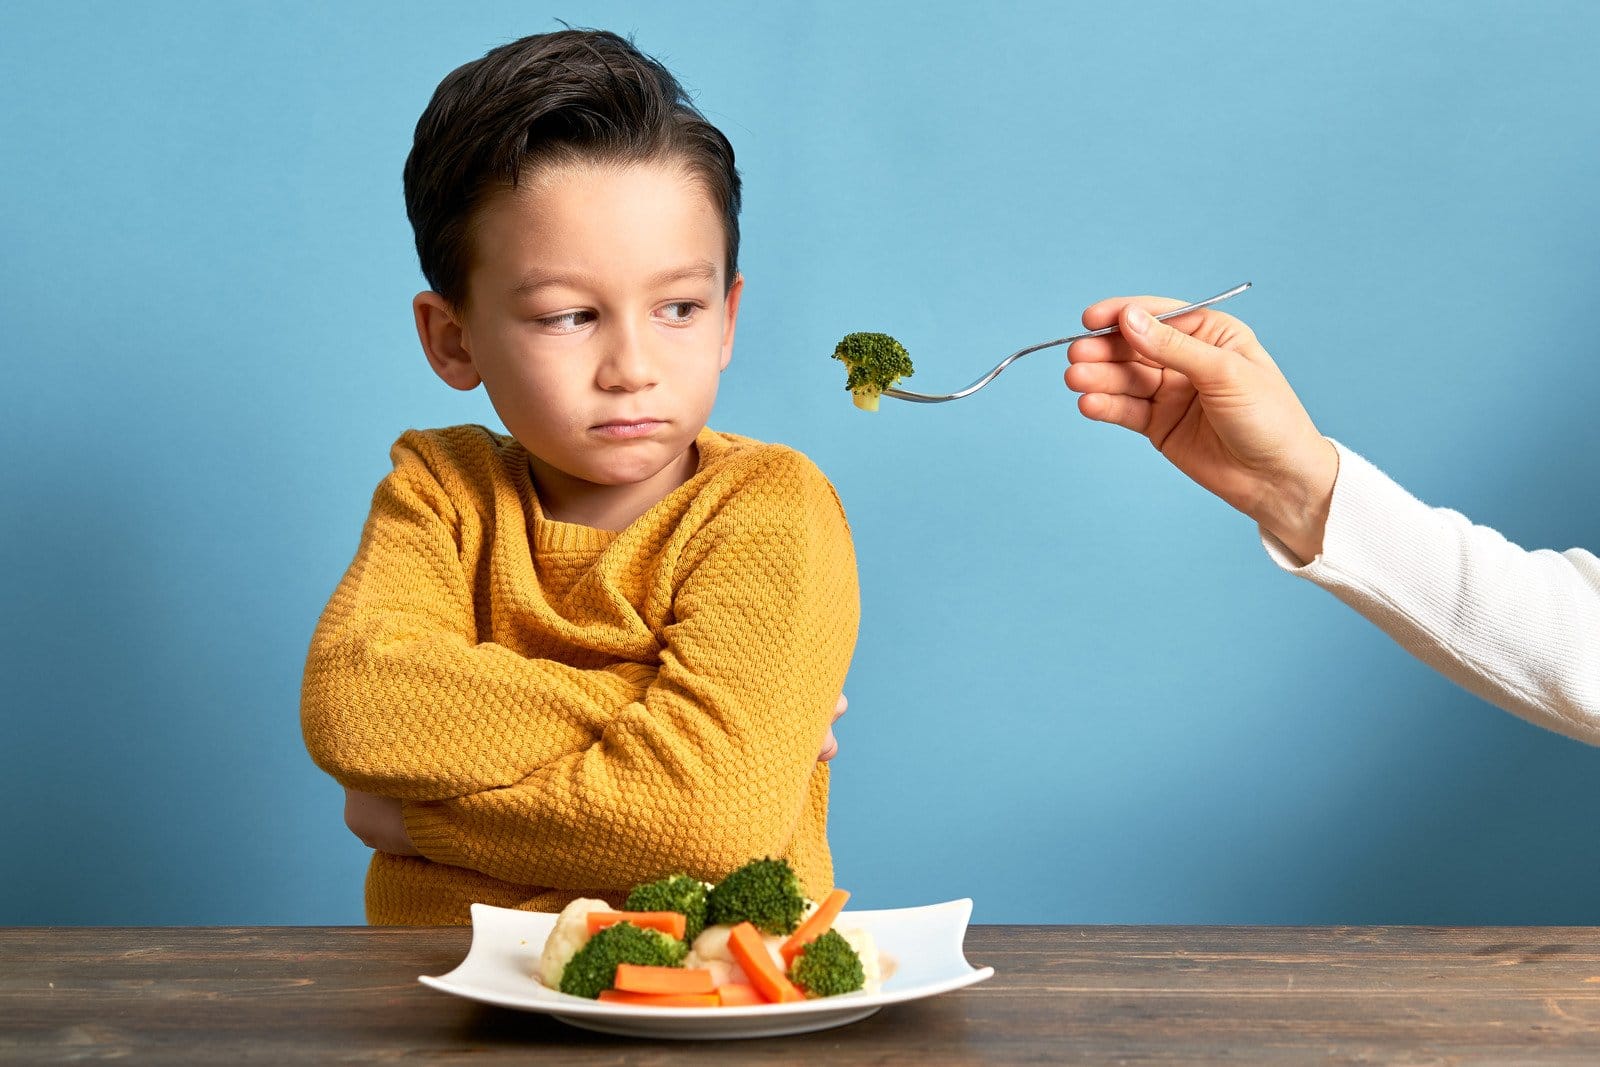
(680, 310)
(567, 321)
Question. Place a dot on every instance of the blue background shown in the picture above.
(1082, 693)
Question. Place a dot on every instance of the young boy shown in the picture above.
(608, 646)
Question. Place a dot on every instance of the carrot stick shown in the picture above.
(738, 995)
(661, 1000)
(671, 923)
(815, 926)
(750, 952)
(638, 978)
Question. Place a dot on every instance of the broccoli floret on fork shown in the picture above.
(876, 361)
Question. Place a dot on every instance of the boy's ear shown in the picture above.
(443, 341)
(731, 322)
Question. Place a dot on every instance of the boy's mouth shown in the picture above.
(628, 428)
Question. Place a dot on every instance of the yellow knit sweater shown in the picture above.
(568, 711)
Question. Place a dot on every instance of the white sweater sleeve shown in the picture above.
(1518, 628)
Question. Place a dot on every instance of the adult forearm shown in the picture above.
(1519, 628)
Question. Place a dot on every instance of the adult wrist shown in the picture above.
(1296, 511)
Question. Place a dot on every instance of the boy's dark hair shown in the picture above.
(551, 98)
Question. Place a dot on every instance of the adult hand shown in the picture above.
(1203, 391)
(378, 822)
(830, 744)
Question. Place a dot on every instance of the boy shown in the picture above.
(606, 647)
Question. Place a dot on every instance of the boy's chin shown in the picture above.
(616, 465)
(629, 470)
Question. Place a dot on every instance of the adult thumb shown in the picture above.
(1201, 363)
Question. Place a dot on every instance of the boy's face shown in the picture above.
(598, 318)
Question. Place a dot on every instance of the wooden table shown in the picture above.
(280, 995)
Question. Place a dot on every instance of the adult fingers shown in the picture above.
(1129, 412)
(1099, 350)
(1130, 379)
(1109, 349)
(1216, 328)
(1204, 365)
(1114, 347)
(1106, 312)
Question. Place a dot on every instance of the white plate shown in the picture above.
(925, 942)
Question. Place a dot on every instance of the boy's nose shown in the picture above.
(627, 366)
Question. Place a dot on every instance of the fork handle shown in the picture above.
(1163, 317)
(933, 398)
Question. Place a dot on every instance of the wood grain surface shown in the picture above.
(1099, 994)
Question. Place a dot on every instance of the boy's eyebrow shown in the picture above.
(534, 280)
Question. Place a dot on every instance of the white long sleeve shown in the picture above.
(1518, 628)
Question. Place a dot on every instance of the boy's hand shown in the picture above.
(378, 822)
(1211, 400)
(830, 744)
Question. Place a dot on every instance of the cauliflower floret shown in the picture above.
(877, 967)
(567, 936)
(710, 950)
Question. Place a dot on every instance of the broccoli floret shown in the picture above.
(765, 893)
(876, 362)
(594, 966)
(827, 967)
(678, 893)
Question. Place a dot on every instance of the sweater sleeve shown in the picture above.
(401, 699)
(1520, 629)
(716, 762)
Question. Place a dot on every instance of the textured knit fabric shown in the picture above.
(1520, 629)
(569, 711)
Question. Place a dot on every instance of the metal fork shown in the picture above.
(940, 398)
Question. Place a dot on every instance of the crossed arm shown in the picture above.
(381, 825)
(730, 723)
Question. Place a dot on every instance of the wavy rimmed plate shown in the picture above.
(925, 942)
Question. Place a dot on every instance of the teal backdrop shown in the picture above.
(1082, 693)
